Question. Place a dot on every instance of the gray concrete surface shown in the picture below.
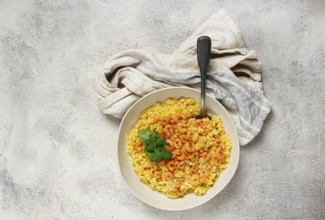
(57, 151)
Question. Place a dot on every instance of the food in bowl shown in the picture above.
(174, 153)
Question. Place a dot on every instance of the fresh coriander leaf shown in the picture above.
(160, 142)
(155, 145)
(144, 134)
(164, 154)
(159, 154)
(151, 140)
(150, 155)
(150, 148)
(157, 140)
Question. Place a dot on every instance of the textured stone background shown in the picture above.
(57, 151)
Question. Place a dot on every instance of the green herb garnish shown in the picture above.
(155, 145)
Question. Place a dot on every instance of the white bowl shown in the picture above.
(142, 191)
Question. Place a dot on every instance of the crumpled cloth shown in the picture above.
(234, 76)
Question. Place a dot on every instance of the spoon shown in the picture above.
(203, 59)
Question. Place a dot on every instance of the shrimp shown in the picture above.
(157, 174)
(181, 165)
(168, 119)
(171, 147)
(203, 154)
(181, 157)
(153, 165)
(179, 126)
(194, 169)
(178, 143)
(165, 133)
(169, 141)
(184, 138)
(189, 147)
(171, 165)
(169, 127)
(177, 189)
(217, 162)
(195, 180)
(205, 172)
(152, 171)
(190, 156)
(177, 152)
(138, 147)
(204, 176)
(188, 134)
(168, 175)
(208, 156)
(222, 156)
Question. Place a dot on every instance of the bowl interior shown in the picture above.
(141, 190)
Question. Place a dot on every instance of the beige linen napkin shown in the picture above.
(234, 76)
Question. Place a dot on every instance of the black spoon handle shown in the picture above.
(203, 59)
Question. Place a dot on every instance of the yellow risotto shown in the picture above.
(200, 148)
